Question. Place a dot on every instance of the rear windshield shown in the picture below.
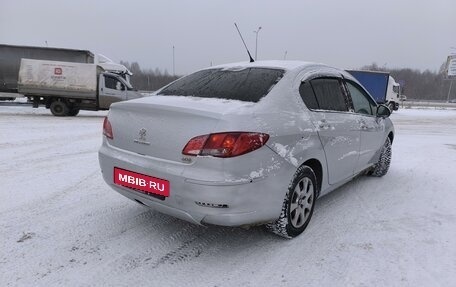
(250, 84)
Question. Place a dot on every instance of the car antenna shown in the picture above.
(248, 52)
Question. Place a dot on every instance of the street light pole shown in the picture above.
(256, 41)
(174, 66)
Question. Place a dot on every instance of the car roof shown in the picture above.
(274, 64)
(292, 68)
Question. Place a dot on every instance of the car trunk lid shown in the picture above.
(160, 126)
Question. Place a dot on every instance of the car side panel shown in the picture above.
(340, 136)
(372, 139)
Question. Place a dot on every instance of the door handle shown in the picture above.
(324, 125)
(363, 125)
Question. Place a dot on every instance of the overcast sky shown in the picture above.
(348, 34)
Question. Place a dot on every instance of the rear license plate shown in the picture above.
(144, 183)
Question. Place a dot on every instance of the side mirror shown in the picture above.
(383, 111)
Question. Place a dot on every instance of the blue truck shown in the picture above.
(382, 87)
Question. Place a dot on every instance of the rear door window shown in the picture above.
(308, 96)
(250, 84)
(329, 94)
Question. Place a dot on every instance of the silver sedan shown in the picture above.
(246, 143)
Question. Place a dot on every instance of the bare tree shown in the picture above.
(148, 79)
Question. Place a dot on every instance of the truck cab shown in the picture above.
(392, 94)
(110, 66)
(114, 88)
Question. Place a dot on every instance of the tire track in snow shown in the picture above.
(92, 237)
(51, 200)
(26, 164)
(42, 154)
(189, 249)
(169, 236)
(113, 228)
(177, 245)
(197, 247)
(55, 141)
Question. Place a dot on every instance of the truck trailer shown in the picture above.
(67, 87)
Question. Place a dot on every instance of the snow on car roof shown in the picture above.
(275, 64)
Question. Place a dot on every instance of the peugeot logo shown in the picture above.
(142, 137)
(142, 134)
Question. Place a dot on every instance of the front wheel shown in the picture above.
(298, 205)
(383, 164)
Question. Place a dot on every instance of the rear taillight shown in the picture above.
(107, 128)
(228, 144)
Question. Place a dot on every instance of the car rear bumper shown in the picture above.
(201, 193)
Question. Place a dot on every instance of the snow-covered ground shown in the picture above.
(60, 224)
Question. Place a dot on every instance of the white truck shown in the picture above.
(11, 55)
(67, 87)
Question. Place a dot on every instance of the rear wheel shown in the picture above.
(298, 205)
(59, 108)
(73, 112)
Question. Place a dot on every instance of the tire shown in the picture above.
(298, 205)
(383, 164)
(73, 112)
(59, 108)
